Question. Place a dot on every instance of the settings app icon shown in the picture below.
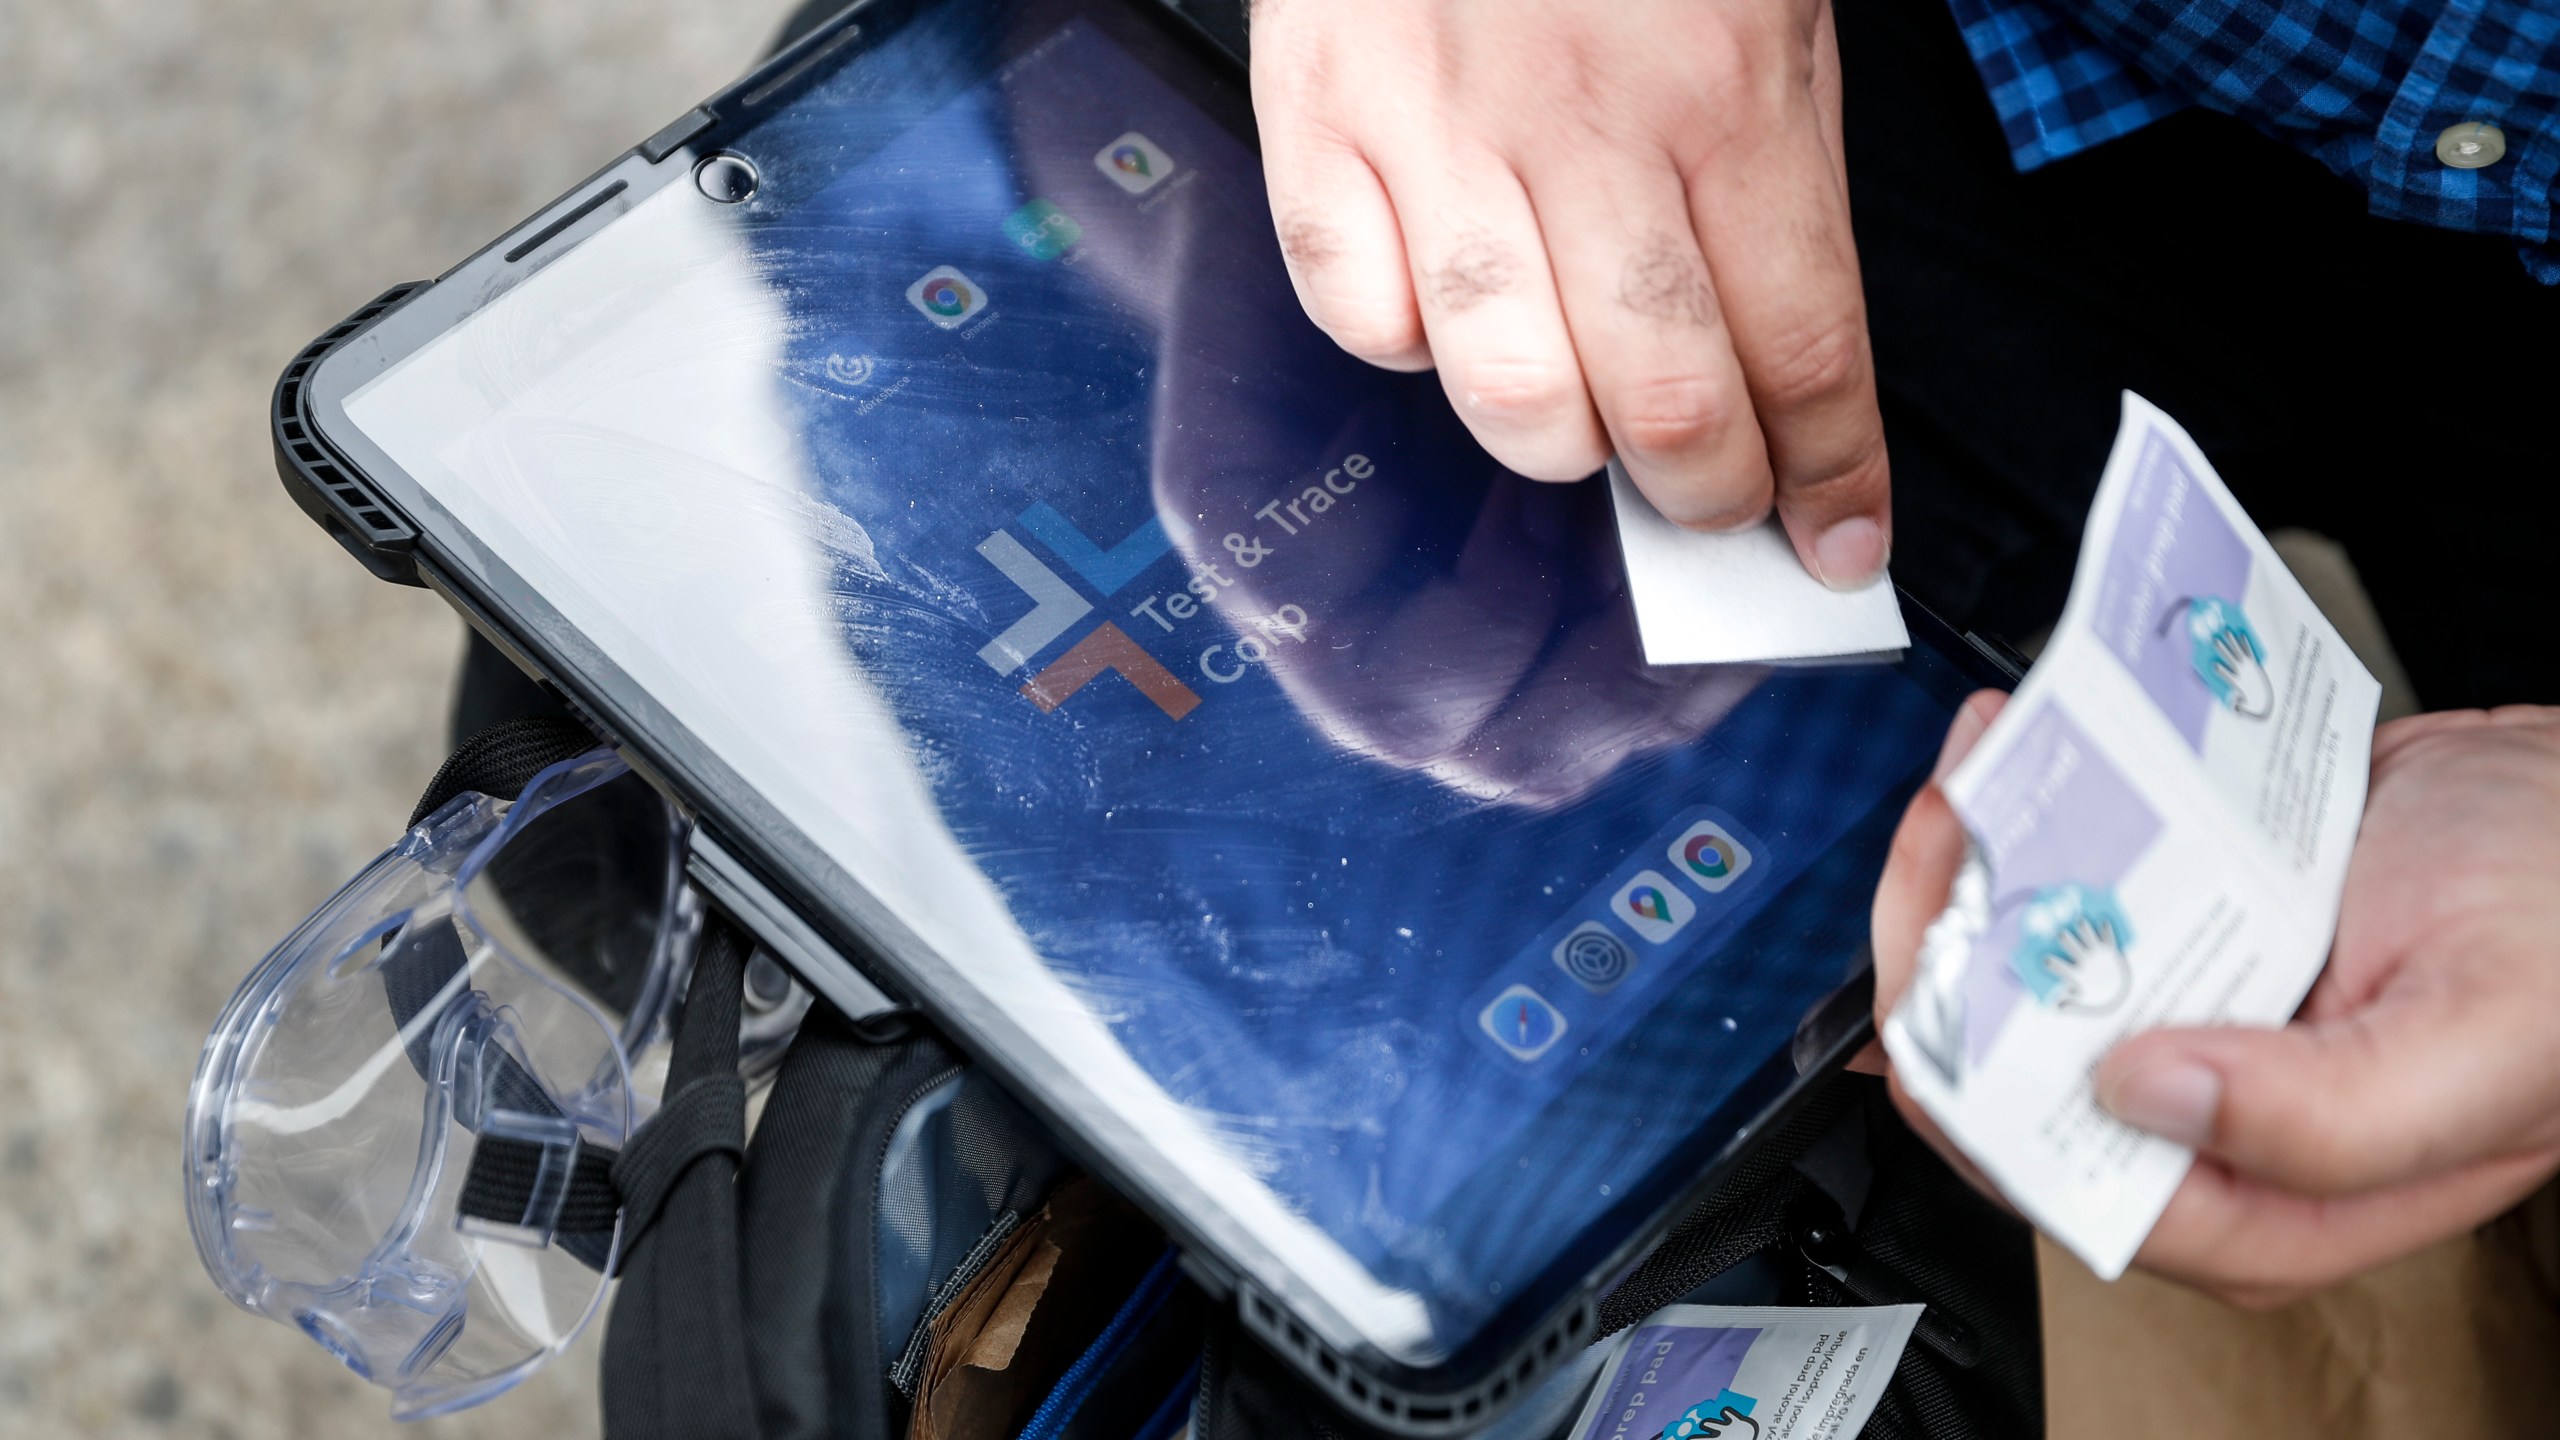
(1595, 957)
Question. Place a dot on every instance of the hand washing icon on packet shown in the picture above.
(1714, 1372)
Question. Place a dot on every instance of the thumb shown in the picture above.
(1841, 525)
(2393, 1092)
(1928, 848)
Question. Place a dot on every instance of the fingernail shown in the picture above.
(1850, 554)
(2173, 1099)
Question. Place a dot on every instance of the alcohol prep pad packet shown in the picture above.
(2159, 822)
(1716, 1372)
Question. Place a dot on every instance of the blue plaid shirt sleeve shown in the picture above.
(2364, 86)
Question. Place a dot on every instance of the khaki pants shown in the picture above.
(2456, 1342)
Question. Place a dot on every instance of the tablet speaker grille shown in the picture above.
(1416, 1413)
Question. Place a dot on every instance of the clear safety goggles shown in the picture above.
(384, 1131)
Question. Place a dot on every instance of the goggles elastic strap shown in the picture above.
(503, 759)
(539, 1187)
(530, 1184)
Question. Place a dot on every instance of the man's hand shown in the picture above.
(2418, 1092)
(1610, 226)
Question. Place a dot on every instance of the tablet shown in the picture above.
(918, 459)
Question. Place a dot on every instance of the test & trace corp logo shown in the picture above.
(1246, 640)
(1057, 607)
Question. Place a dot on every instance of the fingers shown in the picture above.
(1928, 848)
(2413, 1084)
(1651, 339)
(1338, 233)
(1490, 313)
(1695, 205)
(1919, 871)
(1769, 204)
(2256, 1246)
(1826, 88)
(1973, 717)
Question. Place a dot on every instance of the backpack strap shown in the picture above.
(675, 1356)
(810, 1208)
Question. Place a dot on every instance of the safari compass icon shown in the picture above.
(1522, 1022)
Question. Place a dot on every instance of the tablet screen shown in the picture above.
(1215, 710)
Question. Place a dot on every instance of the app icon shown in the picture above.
(1595, 957)
(1134, 163)
(1522, 1022)
(1709, 855)
(1652, 906)
(946, 297)
(1043, 230)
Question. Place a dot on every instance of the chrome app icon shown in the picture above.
(1707, 855)
(946, 297)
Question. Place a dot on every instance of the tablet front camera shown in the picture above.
(726, 178)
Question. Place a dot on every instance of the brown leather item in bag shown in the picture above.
(996, 1351)
(2457, 1342)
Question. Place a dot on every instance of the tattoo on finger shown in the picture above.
(1665, 280)
(1478, 267)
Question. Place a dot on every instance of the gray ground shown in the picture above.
(208, 715)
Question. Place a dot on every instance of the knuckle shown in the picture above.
(1672, 414)
(1477, 268)
(1515, 393)
(1862, 484)
(1308, 242)
(1733, 499)
(1722, 66)
(2328, 1157)
(2314, 1119)
(1372, 336)
(1557, 455)
(1822, 363)
(1372, 323)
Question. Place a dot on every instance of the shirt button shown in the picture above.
(2471, 145)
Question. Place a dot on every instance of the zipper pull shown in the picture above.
(1828, 1247)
